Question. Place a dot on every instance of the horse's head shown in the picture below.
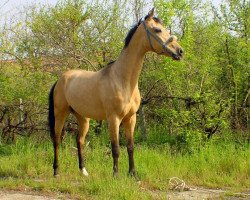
(159, 39)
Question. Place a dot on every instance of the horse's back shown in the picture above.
(74, 74)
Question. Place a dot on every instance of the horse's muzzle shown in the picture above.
(178, 55)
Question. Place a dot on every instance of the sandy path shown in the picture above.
(16, 195)
(206, 194)
(197, 194)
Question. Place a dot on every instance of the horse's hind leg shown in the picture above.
(60, 116)
(83, 124)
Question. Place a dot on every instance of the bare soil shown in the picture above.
(198, 193)
(22, 195)
(193, 194)
(207, 194)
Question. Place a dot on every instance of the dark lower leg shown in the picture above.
(60, 116)
(130, 150)
(80, 142)
(83, 129)
(115, 154)
(80, 155)
(55, 164)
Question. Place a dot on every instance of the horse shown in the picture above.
(111, 93)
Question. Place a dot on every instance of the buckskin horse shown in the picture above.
(111, 93)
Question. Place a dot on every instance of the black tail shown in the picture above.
(51, 116)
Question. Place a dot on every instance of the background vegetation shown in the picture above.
(197, 110)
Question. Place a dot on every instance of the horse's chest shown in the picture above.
(127, 107)
(121, 104)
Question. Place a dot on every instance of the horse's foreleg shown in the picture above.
(114, 124)
(83, 124)
(129, 125)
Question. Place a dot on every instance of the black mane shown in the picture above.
(134, 28)
(131, 33)
(111, 62)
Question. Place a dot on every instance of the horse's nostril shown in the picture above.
(180, 51)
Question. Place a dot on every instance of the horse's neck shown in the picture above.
(129, 65)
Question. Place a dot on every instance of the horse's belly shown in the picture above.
(89, 110)
(93, 115)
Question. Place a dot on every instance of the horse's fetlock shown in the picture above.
(55, 166)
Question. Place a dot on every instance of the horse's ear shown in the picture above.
(151, 13)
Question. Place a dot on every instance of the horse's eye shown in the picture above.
(157, 30)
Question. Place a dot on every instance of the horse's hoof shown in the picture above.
(134, 175)
(84, 172)
(115, 174)
(56, 175)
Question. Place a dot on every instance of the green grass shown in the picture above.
(28, 165)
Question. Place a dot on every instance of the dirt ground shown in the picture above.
(14, 195)
(204, 194)
(207, 194)
(196, 194)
